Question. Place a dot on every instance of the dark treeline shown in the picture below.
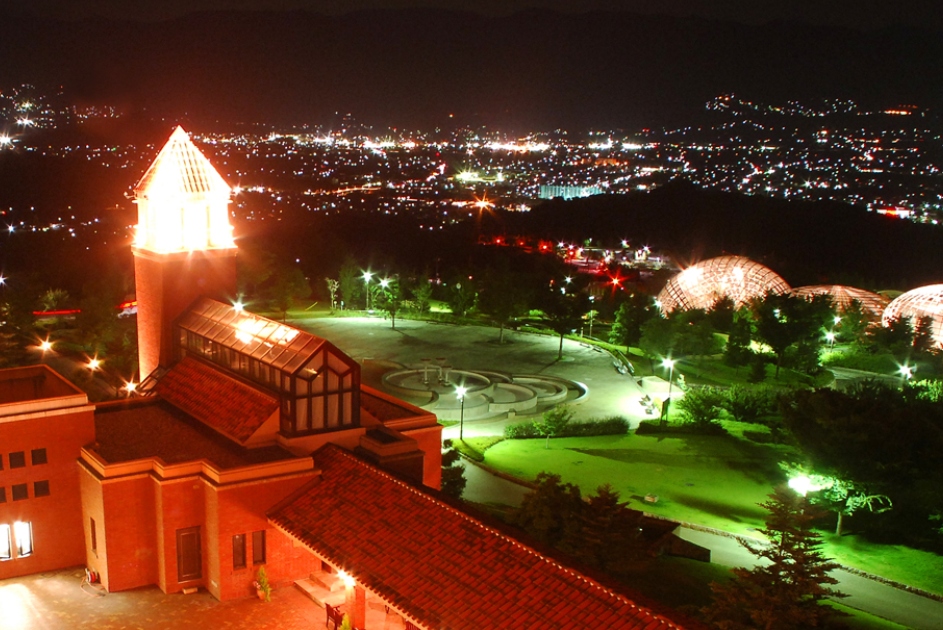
(805, 242)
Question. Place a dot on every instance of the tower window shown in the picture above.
(38, 456)
(17, 459)
(41, 489)
(20, 491)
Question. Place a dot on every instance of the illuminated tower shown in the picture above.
(184, 246)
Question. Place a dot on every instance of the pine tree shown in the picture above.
(785, 591)
(453, 472)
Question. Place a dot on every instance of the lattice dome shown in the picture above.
(842, 296)
(921, 302)
(702, 284)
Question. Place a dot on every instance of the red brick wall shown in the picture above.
(57, 518)
(138, 517)
(430, 443)
(93, 507)
(165, 285)
(128, 530)
(180, 505)
(242, 511)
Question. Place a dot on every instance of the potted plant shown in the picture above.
(262, 586)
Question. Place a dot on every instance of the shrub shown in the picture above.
(614, 425)
(522, 431)
(656, 427)
(701, 405)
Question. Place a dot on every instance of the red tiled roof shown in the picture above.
(231, 407)
(438, 565)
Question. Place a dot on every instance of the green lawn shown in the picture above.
(715, 481)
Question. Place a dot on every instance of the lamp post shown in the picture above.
(670, 364)
(830, 338)
(592, 312)
(366, 280)
(460, 392)
(906, 373)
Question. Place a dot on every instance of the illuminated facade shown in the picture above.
(258, 445)
(702, 284)
(44, 421)
(843, 296)
(920, 302)
(183, 248)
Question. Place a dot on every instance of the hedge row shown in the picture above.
(615, 425)
(654, 427)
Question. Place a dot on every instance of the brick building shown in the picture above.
(255, 444)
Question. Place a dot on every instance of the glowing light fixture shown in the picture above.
(346, 578)
(182, 201)
(94, 364)
(803, 484)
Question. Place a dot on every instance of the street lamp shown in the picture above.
(460, 392)
(830, 338)
(670, 364)
(906, 373)
(366, 280)
(592, 312)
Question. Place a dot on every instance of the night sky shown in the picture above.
(857, 14)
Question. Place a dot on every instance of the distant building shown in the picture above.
(568, 192)
(256, 445)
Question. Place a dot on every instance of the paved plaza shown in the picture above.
(380, 349)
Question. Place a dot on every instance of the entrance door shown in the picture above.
(189, 558)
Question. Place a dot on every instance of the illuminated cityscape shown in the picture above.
(459, 315)
(879, 161)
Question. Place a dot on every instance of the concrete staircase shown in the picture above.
(323, 588)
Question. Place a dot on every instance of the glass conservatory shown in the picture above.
(317, 384)
(702, 284)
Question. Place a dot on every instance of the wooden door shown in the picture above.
(189, 556)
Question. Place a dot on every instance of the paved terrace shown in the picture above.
(379, 349)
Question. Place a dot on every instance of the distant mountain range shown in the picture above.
(530, 70)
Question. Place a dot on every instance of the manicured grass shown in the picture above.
(717, 481)
(713, 481)
(474, 448)
(913, 567)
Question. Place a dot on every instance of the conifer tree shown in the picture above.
(785, 591)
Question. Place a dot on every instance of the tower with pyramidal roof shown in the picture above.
(183, 248)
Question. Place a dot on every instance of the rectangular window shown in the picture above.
(38, 456)
(41, 489)
(94, 533)
(239, 551)
(23, 535)
(258, 547)
(20, 492)
(3, 495)
(17, 459)
(1, 462)
(6, 543)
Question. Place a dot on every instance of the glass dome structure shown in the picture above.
(921, 302)
(702, 284)
(842, 296)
